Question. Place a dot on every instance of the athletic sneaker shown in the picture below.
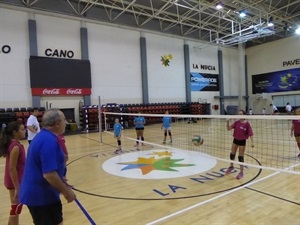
(228, 171)
(164, 142)
(171, 141)
(240, 175)
(136, 145)
(118, 151)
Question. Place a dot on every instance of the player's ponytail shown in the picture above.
(3, 141)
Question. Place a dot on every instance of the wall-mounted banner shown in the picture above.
(60, 91)
(56, 76)
(204, 82)
(285, 80)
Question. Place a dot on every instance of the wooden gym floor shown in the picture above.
(209, 197)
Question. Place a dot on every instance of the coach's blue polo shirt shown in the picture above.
(44, 156)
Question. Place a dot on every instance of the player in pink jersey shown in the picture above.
(295, 129)
(241, 132)
(14, 152)
(62, 143)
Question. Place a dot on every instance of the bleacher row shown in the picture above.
(89, 114)
(21, 109)
(8, 115)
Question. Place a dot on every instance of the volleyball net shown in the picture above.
(274, 147)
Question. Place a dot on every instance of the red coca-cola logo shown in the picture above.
(60, 91)
(77, 91)
(53, 91)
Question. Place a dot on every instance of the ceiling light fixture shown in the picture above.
(270, 22)
(297, 31)
(219, 6)
(242, 14)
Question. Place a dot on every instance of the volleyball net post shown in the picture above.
(100, 119)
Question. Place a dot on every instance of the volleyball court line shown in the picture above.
(217, 197)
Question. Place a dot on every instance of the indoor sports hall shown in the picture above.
(185, 69)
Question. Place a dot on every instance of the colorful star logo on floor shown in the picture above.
(166, 153)
(146, 165)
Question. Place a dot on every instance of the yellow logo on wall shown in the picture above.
(166, 59)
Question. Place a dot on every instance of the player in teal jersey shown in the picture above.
(117, 135)
(166, 126)
(139, 122)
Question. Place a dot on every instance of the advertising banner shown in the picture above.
(204, 82)
(56, 76)
(280, 81)
(60, 91)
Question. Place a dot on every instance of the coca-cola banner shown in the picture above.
(60, 91)
(56, 76)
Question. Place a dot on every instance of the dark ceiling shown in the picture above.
(190, 19)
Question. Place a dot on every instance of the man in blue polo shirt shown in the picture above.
(44, 170)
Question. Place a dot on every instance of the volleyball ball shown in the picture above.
(197, 140)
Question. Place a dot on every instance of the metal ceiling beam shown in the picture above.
(125, 9)
(188, 16)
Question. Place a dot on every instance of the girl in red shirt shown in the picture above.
(295, 129)
(14, 152)
(62, 143)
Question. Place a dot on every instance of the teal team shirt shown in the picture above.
(167, 122)
(139, 122)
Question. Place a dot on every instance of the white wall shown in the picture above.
(58, 34)
(115, 64)
(14, 70)
(269, 58)
(166, 83)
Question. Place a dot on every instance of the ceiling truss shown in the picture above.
(196, 19)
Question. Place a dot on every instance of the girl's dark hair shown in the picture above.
(244, 113)
(6, 135)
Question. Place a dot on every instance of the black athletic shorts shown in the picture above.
(239, 142)
(139, 128)
(47, 214)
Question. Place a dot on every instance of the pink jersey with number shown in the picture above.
(20, 164)
(296, 124)
(242, 130)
